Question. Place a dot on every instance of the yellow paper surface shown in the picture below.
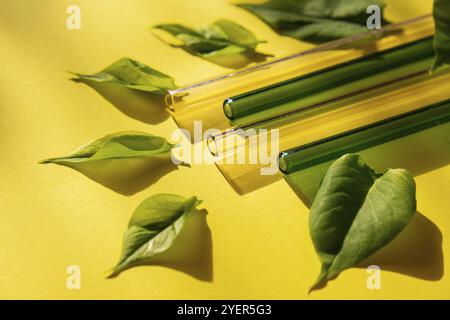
(52, 217)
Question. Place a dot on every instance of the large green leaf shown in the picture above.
(441, 13)
(133, 75)
(315, 21)
(153, 228)
(356, 212)
(223, 37)
(128, 144)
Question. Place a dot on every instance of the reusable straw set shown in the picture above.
(371, 94)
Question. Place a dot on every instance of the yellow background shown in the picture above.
(52, 216)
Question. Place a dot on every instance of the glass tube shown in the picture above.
(204, 100)
(331, 83)
(417, 141)
(331, 148)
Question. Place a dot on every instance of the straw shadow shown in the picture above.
(421, 157)
(191, 252)
(416, 251)
(126, 176)
(142, 106)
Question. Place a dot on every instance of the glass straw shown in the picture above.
(417, 141)
(331, 148)
(332, 82)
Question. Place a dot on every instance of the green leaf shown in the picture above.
(223, 37)
(315, 21)
(356, 212)
(153, 228)
(133, 75)
(128, 144)
(441, 13)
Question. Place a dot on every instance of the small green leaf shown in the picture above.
(356, 212)
(223, 37)
(133, 75)
(153, 228)
(128, 144)
(441, 13)
(315, 21)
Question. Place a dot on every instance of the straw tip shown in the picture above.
(282, 165)
(227, 108)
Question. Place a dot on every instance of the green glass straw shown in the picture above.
(330, 83)
(358, 139)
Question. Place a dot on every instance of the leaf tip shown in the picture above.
(46, 161)
(114, 271)
(198, 202)
(76, 77)
(51, 160)
(153, 27)
(111, 274)
(320, 283)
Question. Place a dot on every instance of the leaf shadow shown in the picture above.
(139, 105)
(192, 251)
(126, 176)
(237, 61)
(368, 45)
(416, 251)
(230, 61)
